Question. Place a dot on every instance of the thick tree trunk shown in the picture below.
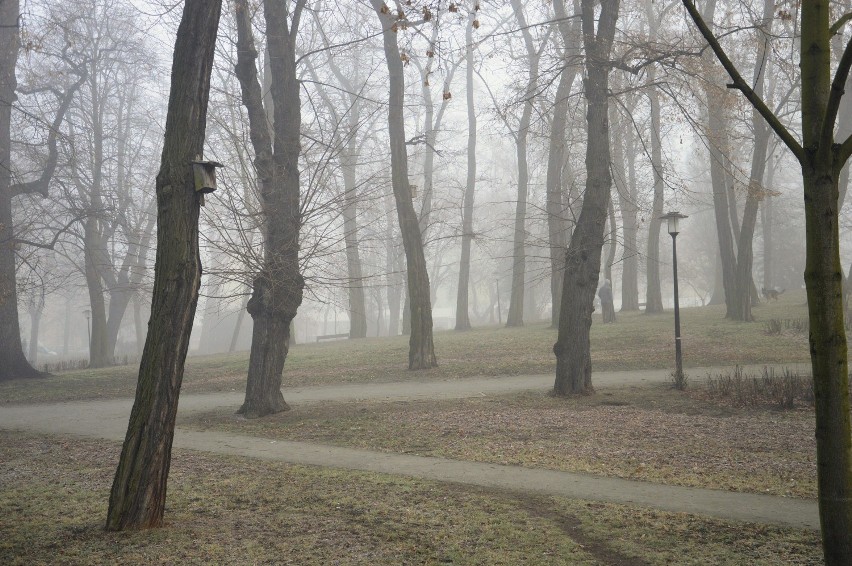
(462, 292)
(138, 495)
(822, 157)
(829, 362)
(421, 353)
(277, 291)
(13, 363)
(583, 260)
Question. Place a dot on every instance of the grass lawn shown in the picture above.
(234, 511)
(54, 490)
(637, 341)
(650, 433)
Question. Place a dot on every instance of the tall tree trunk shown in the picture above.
(36, 309)
(767, 222)
(13, 363)
(612, 241)
(717, 137)
(138, 495)
(557, 225)
(744, 280)
(583, 261)
(421, 353)
(822, 158)
(349, 163)
(462, 314)
(653, 291)
(277, 290)
(624, 182)
(516, 302)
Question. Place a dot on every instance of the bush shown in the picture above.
(784, 389)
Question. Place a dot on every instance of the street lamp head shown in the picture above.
(673, 219)
(87, 313)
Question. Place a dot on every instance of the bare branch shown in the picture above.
(741, 85)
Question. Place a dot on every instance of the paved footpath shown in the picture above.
(108, 420)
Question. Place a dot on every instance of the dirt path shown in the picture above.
(108, 420)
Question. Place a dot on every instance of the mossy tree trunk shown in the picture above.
(138, 495)
(822, 159)
(583, 259)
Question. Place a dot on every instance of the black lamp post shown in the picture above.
(673, 219)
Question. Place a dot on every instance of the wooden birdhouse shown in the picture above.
(205, 175)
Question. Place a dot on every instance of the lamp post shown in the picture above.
(673, 220)
(88, 314)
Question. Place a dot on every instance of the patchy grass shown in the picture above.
(229, 510)
(637, 341)
(650, 433)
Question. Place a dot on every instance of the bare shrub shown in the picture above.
(784, 389)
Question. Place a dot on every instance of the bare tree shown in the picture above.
(138, 495)
(583, 259)
(421, 353)
(822, 157)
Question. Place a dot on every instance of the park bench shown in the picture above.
(333, 336)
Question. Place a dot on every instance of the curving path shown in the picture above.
(108, 420)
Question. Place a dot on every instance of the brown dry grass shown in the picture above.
(224, 510)
(637, 341)
(646, 433)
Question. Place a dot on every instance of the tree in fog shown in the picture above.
(138, 496)
(421, 354)
(822, 155)
(583, 258)
(13, 363)
(277, 289)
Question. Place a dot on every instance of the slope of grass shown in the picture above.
(637, 341)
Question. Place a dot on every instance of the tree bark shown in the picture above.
(822, 158)
(462, 314)
(653, 290)
(13, 363)
(744, 281)
(519, 259)
(138, 495)
(625, 184)
(421, 352)
(277, 290)
(583, 260)
(557, 225)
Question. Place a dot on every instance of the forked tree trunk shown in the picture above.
(138, 495)
(277, 291)
(421, 351)
(744, 281)
(583, 261)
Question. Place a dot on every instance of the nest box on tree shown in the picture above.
(204, 173)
